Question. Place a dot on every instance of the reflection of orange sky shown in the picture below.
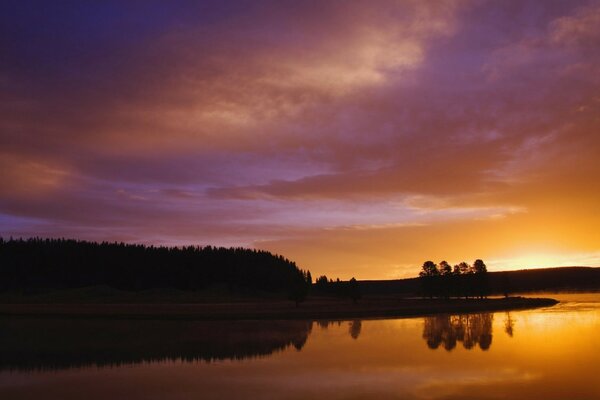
(356, 140)
(552, 354)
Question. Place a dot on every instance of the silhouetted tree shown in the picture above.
(464, 281)
(464, 268)
(321, 284)
(429, 268)
(445, 268)
(354, 290)
(428, 275)
(456, 269)
(299, 289)
(446, 279)
(480, 281)
(505, 285)
(479, 267)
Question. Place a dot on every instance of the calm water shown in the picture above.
(550, 353)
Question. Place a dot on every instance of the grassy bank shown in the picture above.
(372, 307)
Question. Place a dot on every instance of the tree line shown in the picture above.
(47, 264)
(462, 280)
(337, 288)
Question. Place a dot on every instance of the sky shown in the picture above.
(357, 138)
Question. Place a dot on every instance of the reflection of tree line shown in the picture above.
(28, 344)
(354, 326)
(32, 344)
(447, 330)
(469, 329)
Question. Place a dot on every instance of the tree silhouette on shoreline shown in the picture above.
(463, 280)
(345, 289)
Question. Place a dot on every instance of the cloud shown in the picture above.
(580, 28)
(261, 123)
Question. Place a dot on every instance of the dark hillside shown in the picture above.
(529, 280)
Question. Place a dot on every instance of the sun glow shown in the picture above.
(548, 259)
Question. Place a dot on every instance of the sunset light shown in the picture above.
(359, 140)
(545, 259)
(299, 199)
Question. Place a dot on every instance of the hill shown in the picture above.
(521, 281)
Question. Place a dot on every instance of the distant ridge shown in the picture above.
(519, 281)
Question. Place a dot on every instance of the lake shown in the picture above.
(549, 353)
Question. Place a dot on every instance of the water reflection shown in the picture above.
(552, 355)
(30, 344)
(470, 329)
(355, 327)
(325, 323)
(509, 325)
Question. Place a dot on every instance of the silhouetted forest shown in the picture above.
(48, 264)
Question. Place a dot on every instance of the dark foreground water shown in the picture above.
(549, 353)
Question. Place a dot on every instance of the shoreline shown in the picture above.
(333, 309)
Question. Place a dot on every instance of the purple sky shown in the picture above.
(357, 138)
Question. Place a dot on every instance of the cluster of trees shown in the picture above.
(328, 287)
(41, 264)
(446, 281)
